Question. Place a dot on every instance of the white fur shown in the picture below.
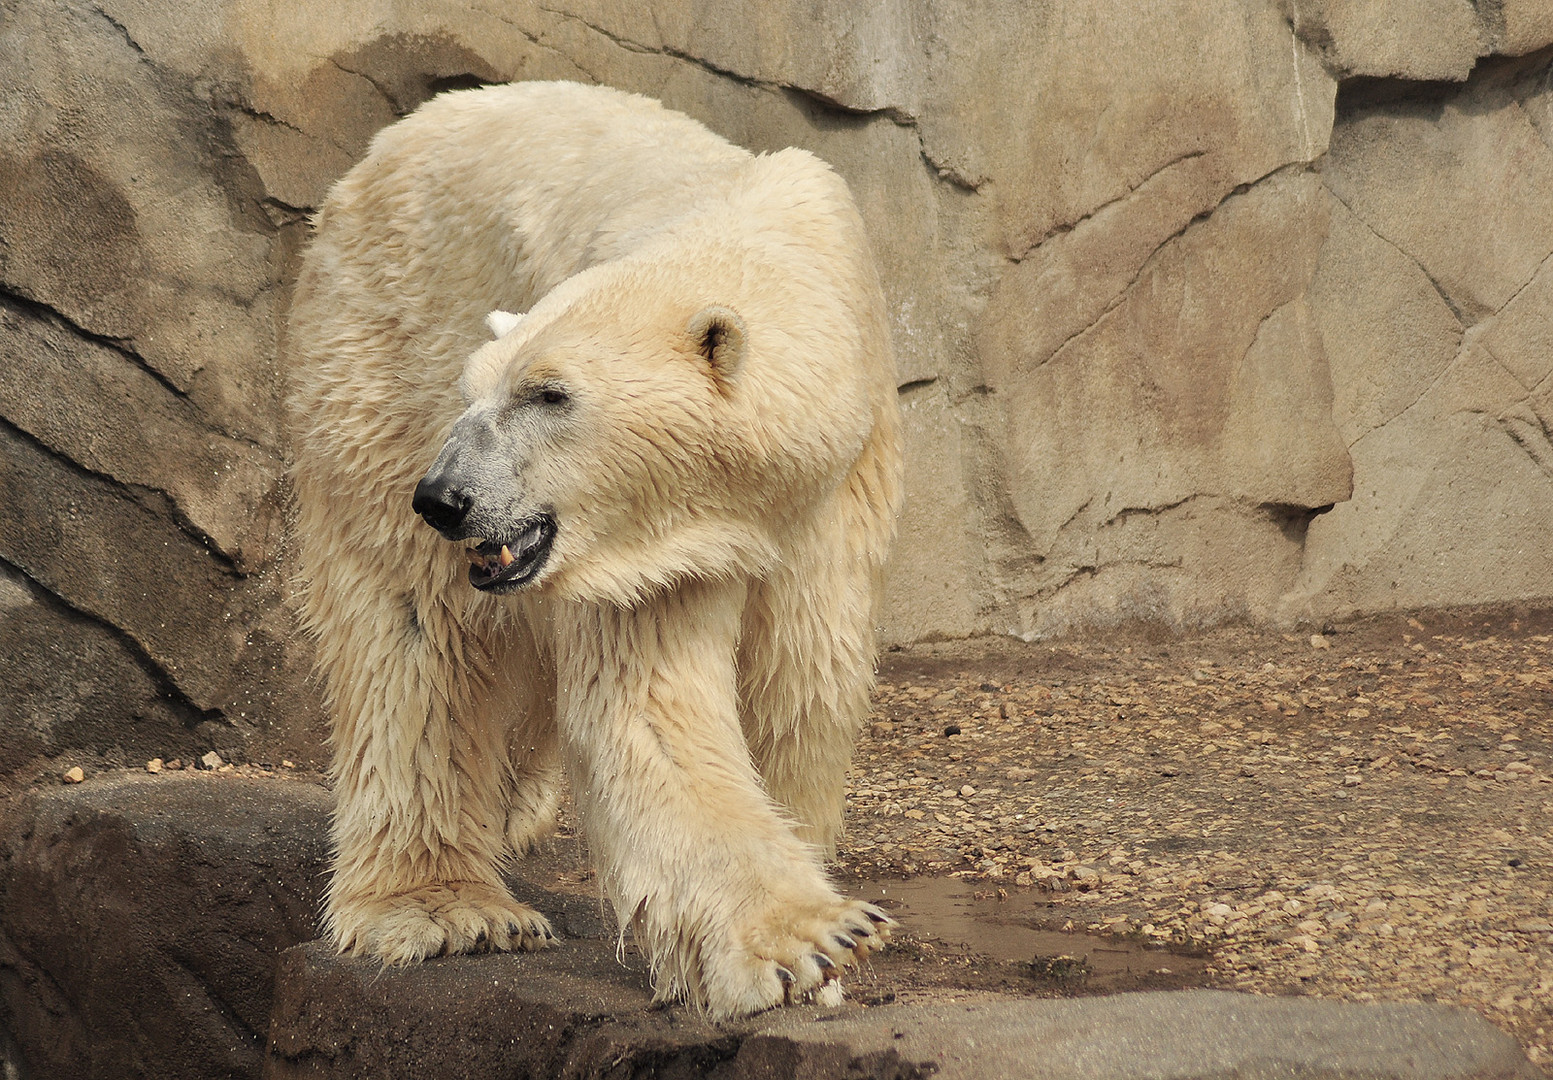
(697, 650)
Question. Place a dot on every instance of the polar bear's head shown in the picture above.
(635, 428)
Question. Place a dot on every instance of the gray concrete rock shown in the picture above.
(138, 273)
(1437, 255)
(1202, 386)
(1433, 40)
(1528, 26)
(1436, 178)
(70, 680)
(1187, 1035)
(1438, 39)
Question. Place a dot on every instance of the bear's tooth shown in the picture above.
(506, 556)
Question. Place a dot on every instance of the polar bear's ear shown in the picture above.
(502, 323)
(718, 335)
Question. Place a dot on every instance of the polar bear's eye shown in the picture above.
(550, 395)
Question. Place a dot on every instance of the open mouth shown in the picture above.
(501, 567)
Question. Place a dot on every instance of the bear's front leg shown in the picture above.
(733, 910)
(421, 814)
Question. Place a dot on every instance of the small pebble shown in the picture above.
(74, 775)
(211, 760)
(952, 729)
(1319, 642)
(154, 765)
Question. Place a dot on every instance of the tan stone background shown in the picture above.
(1203, 311)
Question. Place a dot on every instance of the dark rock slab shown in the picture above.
(141, 918)
(42, 712)
(571, 1011)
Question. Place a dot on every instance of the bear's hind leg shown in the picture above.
(420, 825)
(534, 795)
(533, 776)
(805, 669)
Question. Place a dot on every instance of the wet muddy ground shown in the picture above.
(958, 935)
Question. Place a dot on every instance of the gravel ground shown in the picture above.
(1361, 813)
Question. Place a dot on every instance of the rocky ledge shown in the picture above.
(158, 926)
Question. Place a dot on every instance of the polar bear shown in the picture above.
(637, 536)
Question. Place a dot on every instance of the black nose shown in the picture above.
(443, 505)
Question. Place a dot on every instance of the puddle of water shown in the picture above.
(947, 910)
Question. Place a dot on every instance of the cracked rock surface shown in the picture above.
(1199, 316)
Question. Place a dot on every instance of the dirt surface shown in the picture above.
(1362, 813)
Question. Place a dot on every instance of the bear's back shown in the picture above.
(559, 176)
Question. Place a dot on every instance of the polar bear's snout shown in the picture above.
(505, 556)
(463, 489)
(442, 503)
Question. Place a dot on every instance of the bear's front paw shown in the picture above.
(797, 954)
(436, 920)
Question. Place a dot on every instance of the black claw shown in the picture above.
(876, 915)
(844, 941)
(825, 963)
(860, 931)
(787, 977)
(514, 929)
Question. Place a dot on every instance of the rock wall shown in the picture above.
(1202, 312)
